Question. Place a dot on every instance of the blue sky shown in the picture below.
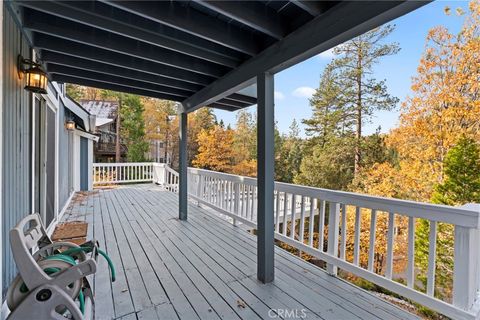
(294, 85)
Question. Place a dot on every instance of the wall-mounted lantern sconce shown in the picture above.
(36, 77)
(70, 125)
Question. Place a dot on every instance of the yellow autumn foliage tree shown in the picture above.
(215, 150)
(445, 105)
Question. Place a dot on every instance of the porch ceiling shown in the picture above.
(194, 52)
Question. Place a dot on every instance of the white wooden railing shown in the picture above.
(295, 206)
(135, 172)
(114, 173)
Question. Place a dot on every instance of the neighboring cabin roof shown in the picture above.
(102, 121)
(101, 108)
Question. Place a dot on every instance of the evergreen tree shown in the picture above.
(290, 155)
(245, 139)
(132, 129)
(461, 169)
(461, 185)
(361, 94)
(329, 166)
(329, 114)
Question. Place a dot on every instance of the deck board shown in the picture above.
(204, 268)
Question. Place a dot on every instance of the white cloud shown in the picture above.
(327, 55)
(303, 92)
(278, 95)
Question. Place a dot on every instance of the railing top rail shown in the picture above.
(121, 164)
(466, 216)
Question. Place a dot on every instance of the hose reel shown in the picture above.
(53, 283)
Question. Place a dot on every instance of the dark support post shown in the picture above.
(182, 187)
(265, 174)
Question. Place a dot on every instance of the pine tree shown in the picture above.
(329, 116)
(361, 94)
(461, 185)
(461, 168)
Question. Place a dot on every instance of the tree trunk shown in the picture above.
(358, 134)
(165, 143)
(117, 135)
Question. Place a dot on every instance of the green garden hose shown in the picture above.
(87, 249)
(66, 256)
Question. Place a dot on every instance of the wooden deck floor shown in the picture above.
(204, 268)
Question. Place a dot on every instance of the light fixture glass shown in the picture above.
(70, 125)
(36, 78)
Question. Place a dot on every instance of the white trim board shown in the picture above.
(60, 215)
(86, 135)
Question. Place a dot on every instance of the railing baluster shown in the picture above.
(311, 221)
(293, 219)
(256, 204)
(432, 253)
(247, 205)
(343, 239)
(225, 195)
(302, 220)
(371, 248)
(285, 213)
(241, 204)
(252, 207)
(333, 224)
(232, 196)
(277, 211)
(222, 194)
(390, 238)
(209, 188)
(321, 224)
(356, 241)
(236, 204)
(411, 252)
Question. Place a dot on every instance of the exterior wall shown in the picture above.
(21, 125)
(84, 173)
(16, 140)
(156, 152)
(65, 158)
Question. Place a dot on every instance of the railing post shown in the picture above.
(466, 278)
(333, 228)
(183, 188)
(265, 173)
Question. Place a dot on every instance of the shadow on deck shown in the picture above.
(204, 268)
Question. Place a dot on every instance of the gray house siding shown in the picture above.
(65, 157)
(16, 135)
(84, 172)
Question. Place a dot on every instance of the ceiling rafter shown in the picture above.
(314, 8)
(98, 76)
(57, 27)
(70, 10)
(253, 14)
(85, 64)
(183, 17)
(100, 55)
(113, 87)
